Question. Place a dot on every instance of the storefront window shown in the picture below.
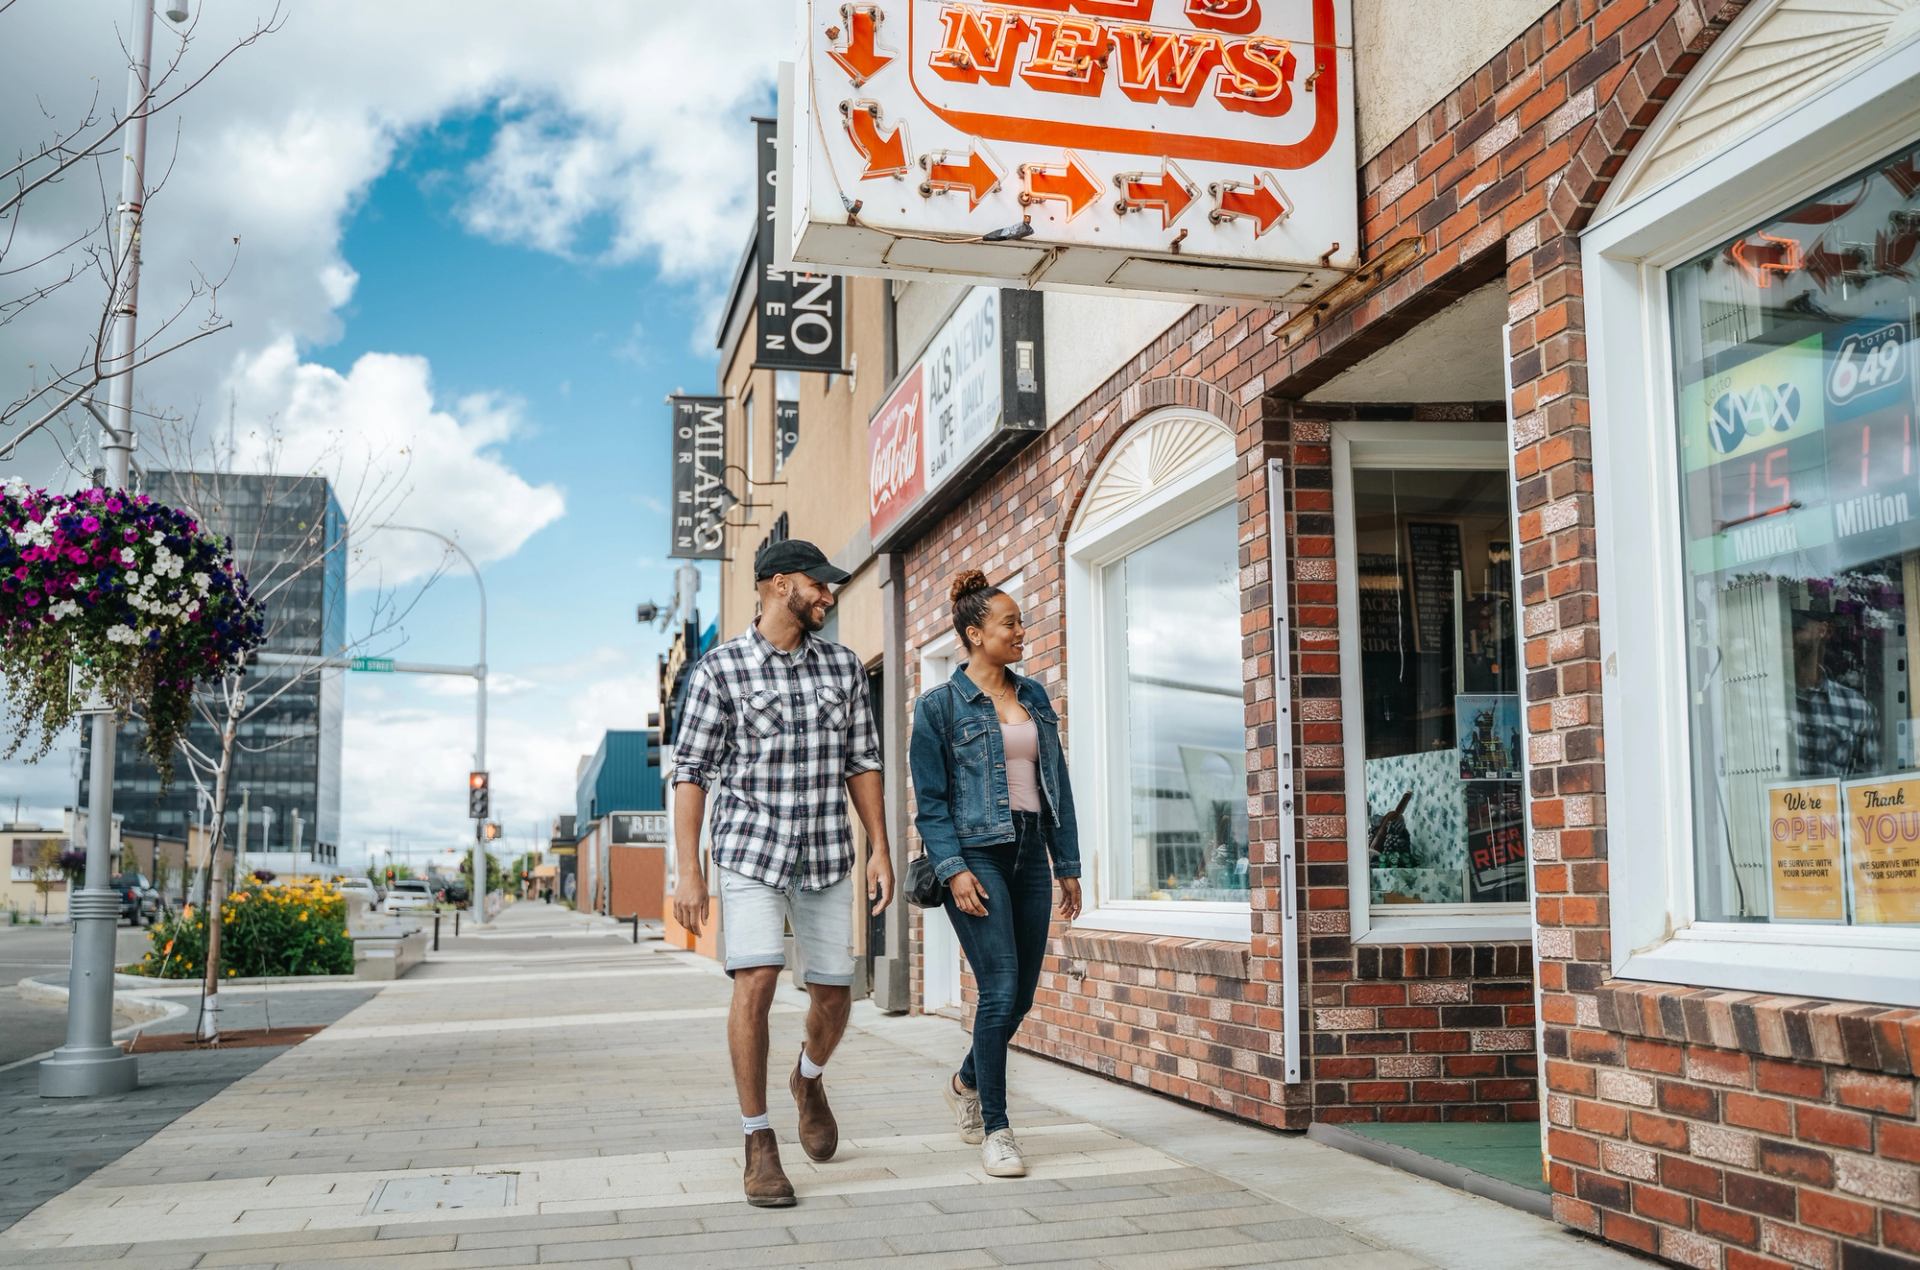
(1172, 623)
(1794, 361)
(1439, 686)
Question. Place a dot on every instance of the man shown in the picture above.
(1836, 731)
(778, 719)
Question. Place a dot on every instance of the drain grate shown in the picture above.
(447, 1190)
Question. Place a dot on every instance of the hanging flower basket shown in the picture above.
(112, 595)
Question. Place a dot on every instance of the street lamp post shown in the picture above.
(90, 1064)
(477, 890)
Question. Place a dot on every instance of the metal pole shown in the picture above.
(477, 891)
(90, 1064)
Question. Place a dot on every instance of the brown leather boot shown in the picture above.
(819, 1132)
(766, 1182)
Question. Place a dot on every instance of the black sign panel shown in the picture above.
(799, 315)
(786, 431)
(699, 470)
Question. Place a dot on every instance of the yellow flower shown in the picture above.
(231, 972)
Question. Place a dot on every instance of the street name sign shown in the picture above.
(378, 665)
(1183, 147)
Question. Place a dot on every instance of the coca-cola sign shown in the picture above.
(896, 475)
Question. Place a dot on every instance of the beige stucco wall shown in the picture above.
(822, 487)
(1408, 54)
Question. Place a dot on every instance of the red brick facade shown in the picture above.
(1711, 1129)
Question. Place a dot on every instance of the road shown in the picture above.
(27, 1029)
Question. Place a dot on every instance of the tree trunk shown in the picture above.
(209, 1027)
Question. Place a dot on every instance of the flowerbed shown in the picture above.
(119, 596)
(297, 928)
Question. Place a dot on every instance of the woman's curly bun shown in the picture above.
(967, 581)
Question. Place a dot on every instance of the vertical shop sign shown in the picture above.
(1808, 881)
(699, 463)
(1883, 850)
(786, 432)
(800, 315)
(1436, 556)
(896, 476)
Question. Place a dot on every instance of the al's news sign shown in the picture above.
(1166, 146)
(974, 396)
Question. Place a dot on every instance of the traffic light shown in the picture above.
(492, 830)
(477, 804)
(389, 875)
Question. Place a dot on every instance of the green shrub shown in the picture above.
(299, 928)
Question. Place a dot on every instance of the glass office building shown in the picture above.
(289, 535)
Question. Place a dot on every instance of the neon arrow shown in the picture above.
(976, 176)
(861, 59)
(1259, 201)
(1761, 260)
(1071, 183)
(885, 155)
(1170, 191)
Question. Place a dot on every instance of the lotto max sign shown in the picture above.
(1774, 398)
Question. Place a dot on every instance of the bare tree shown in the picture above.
(76, 248)
(255, 499)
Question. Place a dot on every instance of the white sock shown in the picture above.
(809, 1069)
(751, 1125)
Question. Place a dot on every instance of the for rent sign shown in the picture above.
(1171, 146)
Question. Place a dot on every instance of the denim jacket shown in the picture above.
(960, 775)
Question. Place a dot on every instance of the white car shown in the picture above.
(363, 887)
(410, 895)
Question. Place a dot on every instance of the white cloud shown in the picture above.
(542, 725)
(383, 412)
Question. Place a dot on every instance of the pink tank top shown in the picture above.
(1022, 742)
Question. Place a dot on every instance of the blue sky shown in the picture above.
(475, 253)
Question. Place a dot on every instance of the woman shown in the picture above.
(993, 805)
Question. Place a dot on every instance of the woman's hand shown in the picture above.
(968, 895)
(1069, 898)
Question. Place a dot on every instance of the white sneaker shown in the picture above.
(966, 1113)
(1001, 1155)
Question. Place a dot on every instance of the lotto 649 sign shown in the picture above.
(1182, 146)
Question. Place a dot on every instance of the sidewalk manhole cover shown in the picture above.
(425, 1194)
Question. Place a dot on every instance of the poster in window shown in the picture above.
(1883, 849)
(1436, 557)
(1806, 870)
(1488, 725)
(1382, 603)
(1496, 842)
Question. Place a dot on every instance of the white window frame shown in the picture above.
(1200, 492)
(1656, 935)
(1406, 447)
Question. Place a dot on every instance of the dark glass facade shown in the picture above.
(288, 754)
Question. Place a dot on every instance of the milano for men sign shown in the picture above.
(699, 463)
(799, 316)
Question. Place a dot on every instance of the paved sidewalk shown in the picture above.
(576, 1089)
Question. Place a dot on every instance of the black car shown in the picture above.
(139, 899)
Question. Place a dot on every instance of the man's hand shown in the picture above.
(968, 895)
(690, 901)
(879, 880)
(1069, 898)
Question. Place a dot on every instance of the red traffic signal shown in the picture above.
(478, 804)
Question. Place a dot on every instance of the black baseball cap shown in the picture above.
(794, 555)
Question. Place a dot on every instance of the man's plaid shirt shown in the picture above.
(781, 733)
(1836, 731)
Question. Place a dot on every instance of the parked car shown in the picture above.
(410, 895)
(363, 887)
(139, 899)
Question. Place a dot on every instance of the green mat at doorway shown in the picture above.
(1498, 1161)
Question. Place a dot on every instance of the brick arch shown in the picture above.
(1135, 403)
(1652, 76)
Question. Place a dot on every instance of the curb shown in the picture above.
(1460, 1178)
(127, 999)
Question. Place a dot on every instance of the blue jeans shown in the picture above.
(1005, 949)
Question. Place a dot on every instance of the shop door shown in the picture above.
(1427, 579)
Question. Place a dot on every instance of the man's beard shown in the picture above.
(802, 610)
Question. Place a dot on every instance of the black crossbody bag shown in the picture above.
(924, 890)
